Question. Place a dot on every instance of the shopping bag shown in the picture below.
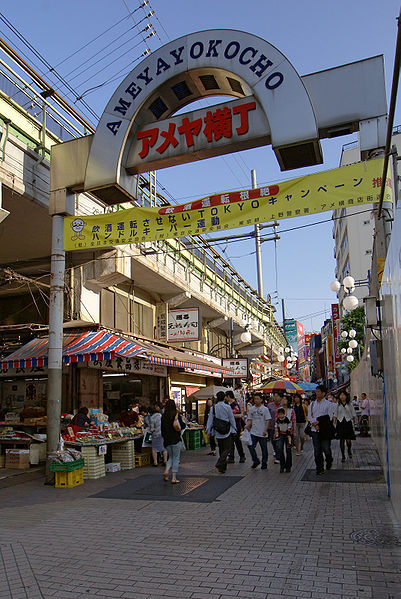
(246, 437)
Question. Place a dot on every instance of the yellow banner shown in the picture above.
(338, 188)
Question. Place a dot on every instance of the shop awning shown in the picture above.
(82, 347)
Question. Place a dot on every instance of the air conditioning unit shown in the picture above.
(109, 269)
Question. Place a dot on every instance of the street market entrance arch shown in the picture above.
(274, 105)
(208, 63)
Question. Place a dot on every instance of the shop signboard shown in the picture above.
(238, 366)
(127, 365)
(161, 321)
(184, 324)
(290, 330)
(329, 354)
(335, 315)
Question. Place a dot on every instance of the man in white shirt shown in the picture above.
(258, 424)
(320, 415)
(365, 406)
(223, 413)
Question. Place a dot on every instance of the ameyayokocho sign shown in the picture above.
(220, 129)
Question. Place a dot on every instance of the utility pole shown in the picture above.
(257, 244)
(283, 311)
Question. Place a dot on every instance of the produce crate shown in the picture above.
(142, 459)
(124, 453)
(94, 466)
(66, 466)
(67, 480)
(192, 439)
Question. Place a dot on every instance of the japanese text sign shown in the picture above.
(183, 325)
(203, 133)
(238, 366)
(343, 187)
(335, 315)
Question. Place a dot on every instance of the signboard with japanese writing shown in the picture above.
(203, 133)
(127, 365)
(239, 367)
(346, 186)
(335, 315)
(184, 325)
(161, 321)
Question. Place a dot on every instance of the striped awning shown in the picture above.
(82, 347)
(192, 365)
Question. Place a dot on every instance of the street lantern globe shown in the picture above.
(343, 351)
(335, 286)
(353, 343)
(352, 333)
(344, 334)
(350, 302)
(350, 358)
(246, 337)
(349, 282)
(349, 350)
(288, 349)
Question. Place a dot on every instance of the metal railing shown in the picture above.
(55, 120)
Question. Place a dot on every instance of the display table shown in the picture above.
(122, 448)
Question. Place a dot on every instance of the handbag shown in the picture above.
(176, 425)
(308, 430)
(147, 438)
(222, 427)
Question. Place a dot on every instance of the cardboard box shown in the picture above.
(17, 458)
(113, 467)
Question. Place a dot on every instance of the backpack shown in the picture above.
(220, 426)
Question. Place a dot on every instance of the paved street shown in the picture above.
(268, 536)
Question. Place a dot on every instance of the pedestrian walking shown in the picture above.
(221, 424)
(301, 416)
(273, 407)
(320, 418)
(236, 437)
(171, 427)
(156, 432)
(258, 425)
(283, 432)
(212, 440)
(344, 420)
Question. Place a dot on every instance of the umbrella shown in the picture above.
(207, 392)
(282, 385)
(308, 386)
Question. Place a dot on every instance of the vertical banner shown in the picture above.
(330, 357)
(335, 316)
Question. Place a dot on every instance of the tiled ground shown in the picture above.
(268, 536)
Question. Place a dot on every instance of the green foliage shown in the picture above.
(354, 320)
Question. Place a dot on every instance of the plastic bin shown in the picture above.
(70, 479)
(66, 466)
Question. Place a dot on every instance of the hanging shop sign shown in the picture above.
(184, 325)
(238, 366)
(335, 316)
(127, 365)
(343, 187)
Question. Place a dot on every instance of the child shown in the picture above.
(283, 435)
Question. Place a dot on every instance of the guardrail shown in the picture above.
(52, 120)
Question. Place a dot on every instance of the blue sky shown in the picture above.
(312, 34)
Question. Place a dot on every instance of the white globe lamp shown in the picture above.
(349, 350)
(350, 358)
(349, 282)
(343, 351)
(350, 302)
(344, 334)
(335, 286)
(352, 333)
(353, 343)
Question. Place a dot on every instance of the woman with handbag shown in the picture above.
(171, 427)
(301, 416)
(344, 419)
(155, 431)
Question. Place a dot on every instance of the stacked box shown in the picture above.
(124, 453)
(67, 480)
(192, 439)
(17, 458)
(113, 467)
(94, 466)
